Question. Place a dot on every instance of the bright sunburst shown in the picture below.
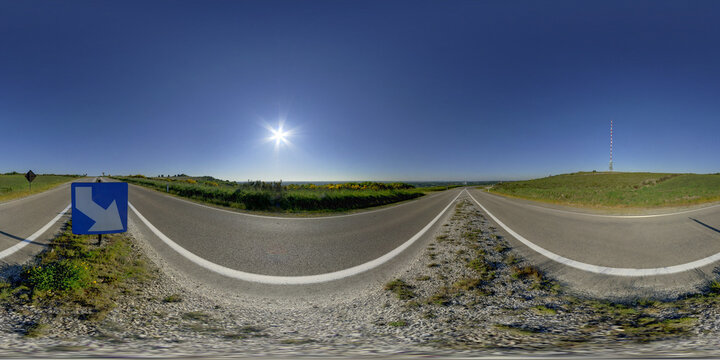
(279, 135)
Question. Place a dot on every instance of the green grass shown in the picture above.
(617, 189)
(174, 298)
(275, 197)
(401, 289)
(75, 272)
(16, 186)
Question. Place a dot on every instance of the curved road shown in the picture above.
(287, 246)
(608, 256)
(626, 242)
(305, 247)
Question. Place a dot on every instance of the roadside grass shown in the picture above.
(13, 186)
(173, 298)
(398, 323)
(617, 189)
(275, 197)
(401, 289)
(76, 276)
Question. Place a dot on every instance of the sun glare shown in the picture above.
(279, 135)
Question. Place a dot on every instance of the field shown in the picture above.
(277, 197)
(617, 189)
(15, 185)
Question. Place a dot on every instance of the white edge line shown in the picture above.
(387, 207)
(629, 272)
(610, 216)
(11, 250)
(289, 280)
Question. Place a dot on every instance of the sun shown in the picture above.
(279, 135)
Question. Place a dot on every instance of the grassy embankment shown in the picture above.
(13, 186)
(617, 189)
(76, 278)
(276, 197)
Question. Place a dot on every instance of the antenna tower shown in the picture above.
(611, 145)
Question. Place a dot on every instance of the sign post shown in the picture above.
(30, 176)
(99, 208)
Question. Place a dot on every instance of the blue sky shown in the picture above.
(387, 90)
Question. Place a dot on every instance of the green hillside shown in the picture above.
(15, 185)
(617, 189)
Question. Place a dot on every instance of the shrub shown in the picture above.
(59, 276)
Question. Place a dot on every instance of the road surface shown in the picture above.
(601, 254)
(286, 246)
(27, 224)
(671, 251)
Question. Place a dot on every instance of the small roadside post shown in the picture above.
(30, 176)
(99, 208)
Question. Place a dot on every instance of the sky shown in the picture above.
(386, 90)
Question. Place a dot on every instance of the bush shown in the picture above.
(59, 276)
(272, 196)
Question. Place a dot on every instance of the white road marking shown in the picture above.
(614, 216)
(11, 250)
(289, 280)
(629, 272)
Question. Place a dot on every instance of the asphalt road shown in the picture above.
(22, 218)
(611, 241)
(300, 246)
(615, 257)
(287, 246)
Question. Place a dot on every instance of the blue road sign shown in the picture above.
(99, 208)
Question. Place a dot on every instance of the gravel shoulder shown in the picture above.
(467, 294)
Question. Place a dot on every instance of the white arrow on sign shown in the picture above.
(105, 219)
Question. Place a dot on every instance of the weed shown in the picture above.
(174, 298)
(195, 315)
(648, 328)
(530, 273)
(544, 310)
(501, 248)
(442, 297)
(398, 323)
(297, 341)
(401, 289)
(36, 330)
(516, 329)
(467, 284)
(484, 268)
